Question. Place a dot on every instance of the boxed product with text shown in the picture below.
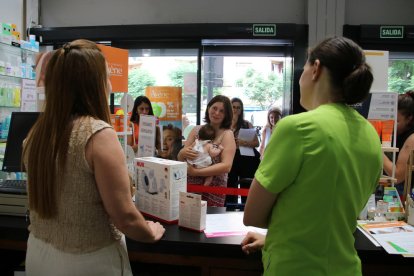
(159, 183)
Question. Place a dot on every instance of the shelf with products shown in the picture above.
(14, 77)
(389, 149)
(17, 62)
(380, 109)
(17, 66)
(124, 130)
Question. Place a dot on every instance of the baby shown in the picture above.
(207, 151)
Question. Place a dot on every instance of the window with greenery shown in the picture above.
(400, 72)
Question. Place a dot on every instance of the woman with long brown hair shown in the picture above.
(273, 116)
(218, 114)
(79, 189)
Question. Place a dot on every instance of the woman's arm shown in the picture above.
(229, 149)
(401, 164)
(259, 206)
(187, 151)
(106, 158)
(131, 138)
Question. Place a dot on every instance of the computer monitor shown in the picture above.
(20, 125)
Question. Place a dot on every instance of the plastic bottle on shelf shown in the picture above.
(23, 70)
(2, 87)
(9, 94)
(381, 209)
(16, 96)
(2, 67)
(8, 69)
(5, 127)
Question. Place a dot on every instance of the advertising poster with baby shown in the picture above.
(167, 105)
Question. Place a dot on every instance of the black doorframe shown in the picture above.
(184, 36)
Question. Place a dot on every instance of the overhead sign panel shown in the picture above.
(392, 32)
(264, 29)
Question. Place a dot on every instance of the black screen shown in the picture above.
(20, 125)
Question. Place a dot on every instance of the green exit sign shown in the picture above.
(392, 32)
(264, 29)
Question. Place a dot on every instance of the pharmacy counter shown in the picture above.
(193, 253)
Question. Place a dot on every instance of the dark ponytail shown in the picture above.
(349, 72)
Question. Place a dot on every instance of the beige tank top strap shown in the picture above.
(220, 138)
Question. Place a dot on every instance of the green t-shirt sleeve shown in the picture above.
(282, 158)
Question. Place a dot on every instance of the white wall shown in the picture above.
(65, 13)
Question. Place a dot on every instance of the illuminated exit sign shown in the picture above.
(392, 32)
(264, 29)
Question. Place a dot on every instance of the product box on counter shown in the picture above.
(193, 212)
(159, 183)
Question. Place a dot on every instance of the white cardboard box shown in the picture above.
(193, 212)
(159, 183)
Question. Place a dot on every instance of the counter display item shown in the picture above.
(159, 183)
(192, 212)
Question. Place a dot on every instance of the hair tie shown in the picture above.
(66, 47)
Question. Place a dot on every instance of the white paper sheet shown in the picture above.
(246, 134)
(397, 243)
(228, 224)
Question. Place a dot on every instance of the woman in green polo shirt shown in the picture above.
(318, 170)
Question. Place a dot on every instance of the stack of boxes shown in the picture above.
(161, 193)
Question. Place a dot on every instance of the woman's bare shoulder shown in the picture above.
(410, 141)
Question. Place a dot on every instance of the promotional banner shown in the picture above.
(167, 104)
(379, 106)
(378, 60)
(146, 136)
(117, 60)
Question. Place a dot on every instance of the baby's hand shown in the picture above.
(189, 153)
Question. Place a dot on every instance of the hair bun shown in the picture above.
(358, 84)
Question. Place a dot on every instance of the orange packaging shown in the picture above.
(387, 130)
(121, 123)
(117, 122)
(377, 125)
